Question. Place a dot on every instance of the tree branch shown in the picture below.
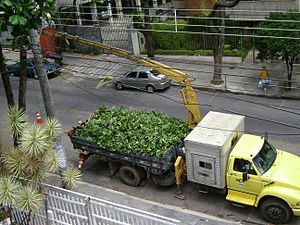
(225, 4)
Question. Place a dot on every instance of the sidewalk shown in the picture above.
(183, 216)
(238, 77)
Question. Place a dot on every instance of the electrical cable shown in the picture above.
(189, 32)
(180, 24)
(193, 62)
(210, 105)
(248, 101)
(185, 69)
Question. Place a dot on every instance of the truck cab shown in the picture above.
(220, 155)
(260, 175)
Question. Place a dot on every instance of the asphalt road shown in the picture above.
(76, 97)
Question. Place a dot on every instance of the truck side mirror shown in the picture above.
(245, 176)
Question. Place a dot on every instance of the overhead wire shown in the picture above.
(248, 101)
(185, 69)
(197, 17)
(194, 62)
(255, 83)
(213, 106)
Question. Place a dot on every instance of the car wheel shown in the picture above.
(119, 86)
(131, 176)
(275, 211)
(150, 89)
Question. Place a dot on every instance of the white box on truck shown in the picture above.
(208, 147)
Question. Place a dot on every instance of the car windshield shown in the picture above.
(155, 73)
(265, 158)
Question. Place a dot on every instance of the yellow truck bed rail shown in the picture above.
(188, 94)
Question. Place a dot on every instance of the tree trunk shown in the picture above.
(218, 40)
(23, 73)
(5, 80)
(290, 75)
(47, 97)
(289, 65)
(148, 34)
(218, 48)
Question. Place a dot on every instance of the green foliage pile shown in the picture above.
(128, 131)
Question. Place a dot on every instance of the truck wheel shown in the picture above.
(275, 211)
(131, 176)
(164, 180)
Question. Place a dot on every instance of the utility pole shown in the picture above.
(47, 95)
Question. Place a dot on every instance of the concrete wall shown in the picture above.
(254, 9)
(87, 33)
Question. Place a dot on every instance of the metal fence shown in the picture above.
(64, 207)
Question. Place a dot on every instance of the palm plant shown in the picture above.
(26, 165)
(71, 177)
(17, 121)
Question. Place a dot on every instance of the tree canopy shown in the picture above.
(278, 38)
(23, 15)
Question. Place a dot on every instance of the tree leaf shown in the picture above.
(13, 20)
(7, 2)
(22, 20)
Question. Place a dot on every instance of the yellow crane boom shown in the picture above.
(188, 94)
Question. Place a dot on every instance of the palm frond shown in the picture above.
(34, 141)
(17, 120)
(38, 176)
(35, 171)
(29, 199)
(52, 161)
(3, 169)
(71, 177)
(14, 162)
(8, 190)
(52, 127)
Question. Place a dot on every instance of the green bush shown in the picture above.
(168, 40)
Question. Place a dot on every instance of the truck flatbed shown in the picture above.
(153, 164)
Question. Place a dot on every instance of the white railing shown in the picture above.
(64, 207)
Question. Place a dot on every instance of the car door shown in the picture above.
(142, 80)
(246, 191)
(131, 79)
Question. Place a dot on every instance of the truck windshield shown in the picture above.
(265, 158)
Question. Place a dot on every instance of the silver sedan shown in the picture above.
(145, 79)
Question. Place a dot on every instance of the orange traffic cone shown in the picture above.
(39, 119)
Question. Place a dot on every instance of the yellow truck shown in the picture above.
(251, 171)
(218, 154)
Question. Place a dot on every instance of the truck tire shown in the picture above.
(131, 176)
(164, 180)
(275, 211)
